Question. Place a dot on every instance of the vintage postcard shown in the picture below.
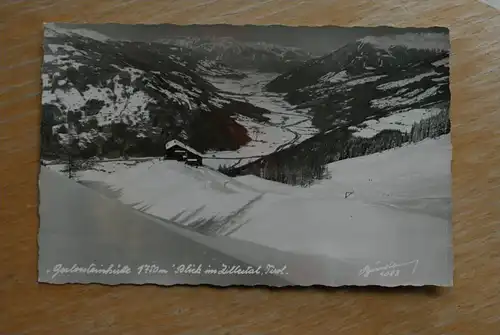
(245, 155)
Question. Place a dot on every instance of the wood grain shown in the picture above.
(471, 307)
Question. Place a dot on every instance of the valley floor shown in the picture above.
(399, 207)
(286, 126)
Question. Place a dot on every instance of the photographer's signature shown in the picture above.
(391, 269)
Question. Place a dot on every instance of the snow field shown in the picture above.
(388, 214)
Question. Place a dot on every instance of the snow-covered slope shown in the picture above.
(415, 171)
(173, 190)
(401, 201)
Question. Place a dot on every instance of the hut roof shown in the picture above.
(174, 143)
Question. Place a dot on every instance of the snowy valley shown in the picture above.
(115, 98)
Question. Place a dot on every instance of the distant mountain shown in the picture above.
(370, 78)
(122, 97)
(264, 57)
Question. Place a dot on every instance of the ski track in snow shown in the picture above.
(401, 200)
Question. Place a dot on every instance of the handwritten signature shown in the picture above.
(391, 269)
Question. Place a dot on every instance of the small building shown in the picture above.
(176, 150)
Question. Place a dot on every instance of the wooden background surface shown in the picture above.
(471, 307)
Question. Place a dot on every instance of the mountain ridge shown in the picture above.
(132, 83)
(258, 56)
(342, 84)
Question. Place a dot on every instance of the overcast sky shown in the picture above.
(313, 39)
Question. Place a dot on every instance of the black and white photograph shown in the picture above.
(245, 155)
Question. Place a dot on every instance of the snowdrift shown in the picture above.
(400, 203)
